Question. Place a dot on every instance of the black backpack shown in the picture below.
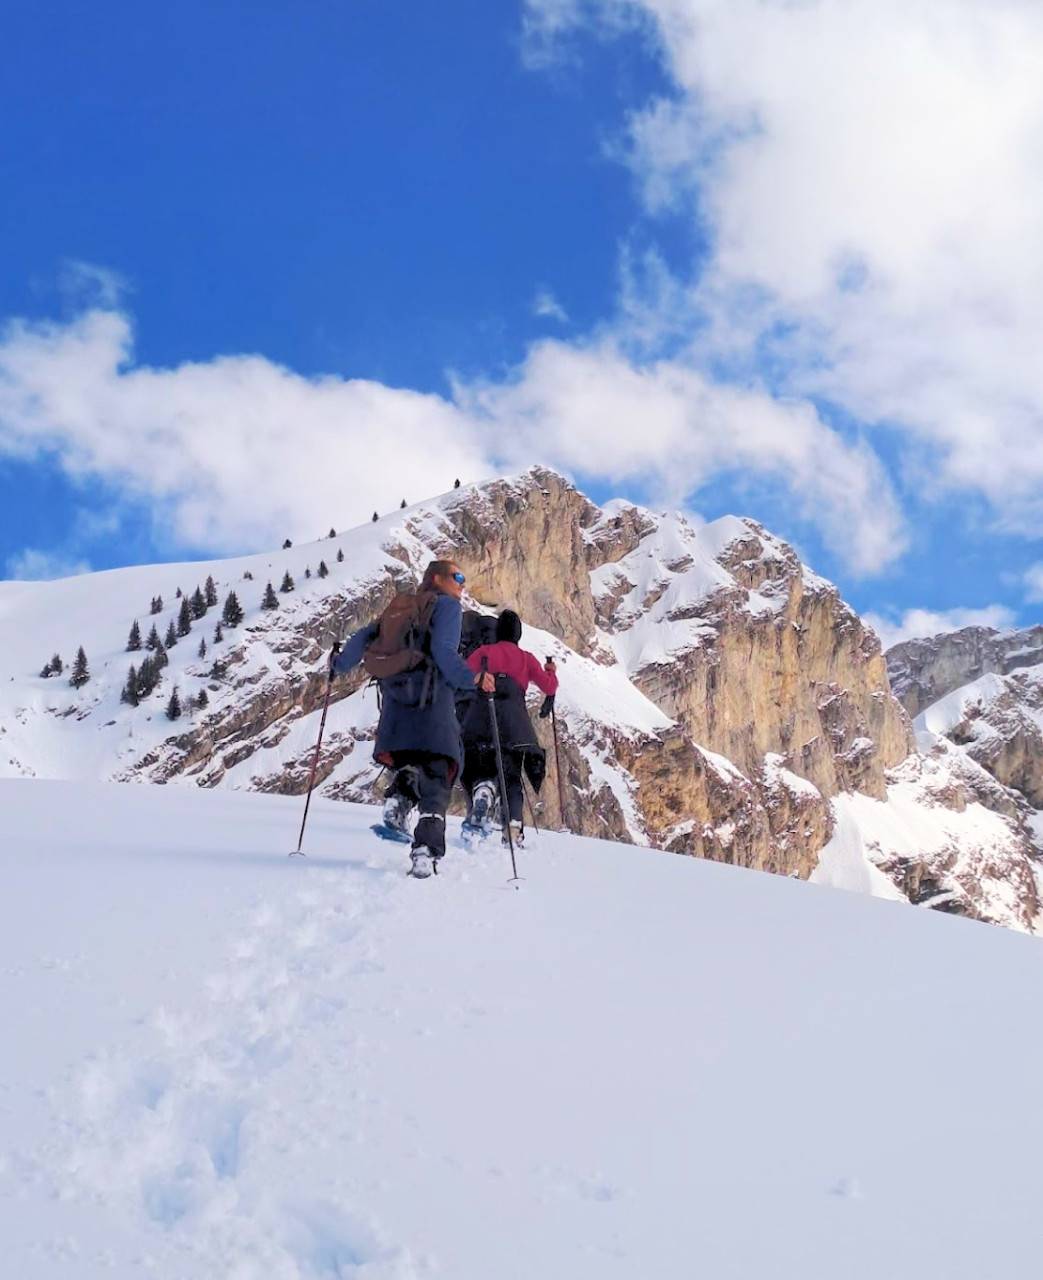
(476, 629)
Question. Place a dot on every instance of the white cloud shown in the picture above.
(546, 305)
(1033, 583)
(32, 565)
(871, 174)
(238, 451)
(597, 414)
(916, 624)
(234, 452)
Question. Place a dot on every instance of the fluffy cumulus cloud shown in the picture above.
(918, 624)
(595, 412)
(870, 175)
(237, 451)
(230, 453)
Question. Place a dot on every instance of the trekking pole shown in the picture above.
(504, 803)
(557, 764)
(315, 759)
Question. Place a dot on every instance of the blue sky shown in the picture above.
(271, 260)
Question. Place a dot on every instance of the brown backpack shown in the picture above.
(401, 644)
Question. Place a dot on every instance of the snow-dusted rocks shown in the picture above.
(717, 697)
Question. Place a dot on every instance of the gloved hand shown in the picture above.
(548, 706)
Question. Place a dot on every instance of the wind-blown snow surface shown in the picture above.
(220, 1062)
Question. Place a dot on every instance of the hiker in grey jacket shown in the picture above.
(418, 735)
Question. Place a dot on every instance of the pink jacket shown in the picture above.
(506, 658)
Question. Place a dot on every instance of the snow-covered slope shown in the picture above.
(220, 1063)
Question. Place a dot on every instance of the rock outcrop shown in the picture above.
(924, 671)
(718, 699)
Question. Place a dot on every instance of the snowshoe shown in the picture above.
(391, 833)
(517, 835)
(424, 864)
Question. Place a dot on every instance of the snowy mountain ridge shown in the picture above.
(717, 698)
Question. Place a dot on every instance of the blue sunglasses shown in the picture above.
(459, 577)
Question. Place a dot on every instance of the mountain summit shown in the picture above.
(717, 699)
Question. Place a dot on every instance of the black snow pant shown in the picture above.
(480, 766)
(428, 782)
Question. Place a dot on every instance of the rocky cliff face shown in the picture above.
(717, 698)
(923, 671)
(989, 700)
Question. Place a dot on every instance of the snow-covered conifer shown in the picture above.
(153, 640)
(232, 613)
(210, 592)
(184, 618)
(270, 600)
(80, 671)
(171, 636)
(197, 604)
(130, 689)
(322, 570)
(174, 706)
(134, 639)
(287, 582)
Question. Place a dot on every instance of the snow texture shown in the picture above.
(220, 1063)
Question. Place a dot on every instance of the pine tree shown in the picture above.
(270, 600)
(80, 671)
(219, 635)
(130, 689)
(248, 576)
(402, 505)
(202, 699)
(211, 592)
(307, 571)
(340, 555)
(232, 613)
(53, 668)
(323, 571)
(153, 641)
(178, 593)
(456, 484)
(157, 605)
(147, 678)
(171, 637)
(202, 648)
(333, 533)
(161, 659)
(287, 582)
(197, 604)
(174, 706)
(184, 618)
(134, 639)
(287, 545)
(375, 517)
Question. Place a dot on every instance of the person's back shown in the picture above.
(418, 735)
(514, 669)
